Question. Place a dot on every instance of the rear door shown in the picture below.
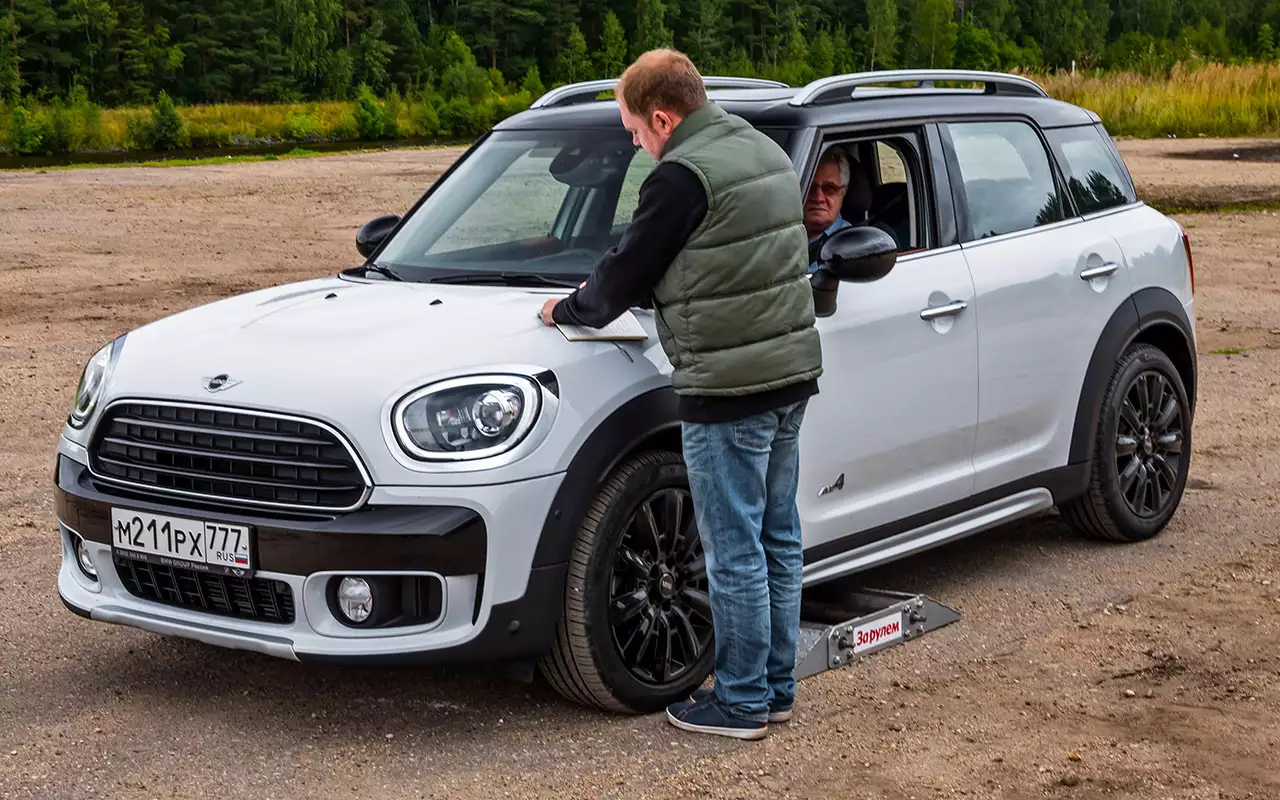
(1046, 282)
(1104, 195)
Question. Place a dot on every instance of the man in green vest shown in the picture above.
(718, 245)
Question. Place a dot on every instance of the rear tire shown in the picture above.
(635, 632)
(1142, 452)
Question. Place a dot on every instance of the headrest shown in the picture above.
(888, 195)
(857, 199)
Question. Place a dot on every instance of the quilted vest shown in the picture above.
(735, 310)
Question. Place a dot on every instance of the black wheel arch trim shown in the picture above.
(640, 419)
(1140, 313)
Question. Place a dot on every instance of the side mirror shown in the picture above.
(374, 232)
(859, 255)
(856, 255)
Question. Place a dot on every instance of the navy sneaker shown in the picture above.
(708, 717)
(775, 714)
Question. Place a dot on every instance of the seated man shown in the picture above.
(826, 196)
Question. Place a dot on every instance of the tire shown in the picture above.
(1136, 444)
(618, 668)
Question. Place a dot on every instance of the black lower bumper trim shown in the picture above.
(444, 539)
(520, 630)
(74, 609)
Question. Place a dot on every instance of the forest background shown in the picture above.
(158, 75)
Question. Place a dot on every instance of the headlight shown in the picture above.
(92, 380)
(467, 418)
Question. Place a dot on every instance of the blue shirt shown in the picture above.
(839, 224)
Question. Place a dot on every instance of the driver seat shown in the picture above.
(859, 200)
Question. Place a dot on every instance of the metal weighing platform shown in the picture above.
(836, 634)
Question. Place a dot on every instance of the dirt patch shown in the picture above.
(1167, 177)
(1269, 152)
(1172, 694)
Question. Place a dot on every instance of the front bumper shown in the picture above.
(479, 546)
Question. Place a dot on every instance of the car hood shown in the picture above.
(335, 345)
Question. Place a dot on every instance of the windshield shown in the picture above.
(546, 202)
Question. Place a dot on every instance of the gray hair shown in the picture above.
(839, 157)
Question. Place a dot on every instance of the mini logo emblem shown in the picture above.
(220, 383)
(835, 487)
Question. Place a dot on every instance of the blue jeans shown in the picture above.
(743, 477)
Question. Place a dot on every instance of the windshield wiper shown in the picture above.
(381, 270)
(507, 279)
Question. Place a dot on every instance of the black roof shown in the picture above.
(769, 107)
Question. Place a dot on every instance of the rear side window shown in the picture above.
(1007, 177)
(1097, 182)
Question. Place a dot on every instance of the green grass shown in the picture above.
(1205, 99)
(1227, 351)
(36, 130)
(1210, 99)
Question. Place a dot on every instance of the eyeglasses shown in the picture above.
(828, 188)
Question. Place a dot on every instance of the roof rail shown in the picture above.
(835, 86)
(563, 95)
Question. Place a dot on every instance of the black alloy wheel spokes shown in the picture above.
(1149, 437)
(659, 606)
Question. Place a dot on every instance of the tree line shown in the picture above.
(130, 52)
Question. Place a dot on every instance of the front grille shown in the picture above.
(226, 454)
(246, 598)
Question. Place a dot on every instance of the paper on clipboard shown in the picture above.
(625, 328)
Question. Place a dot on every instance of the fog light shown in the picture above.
(82, 556)
(355, 599)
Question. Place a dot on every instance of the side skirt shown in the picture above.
(950, 523)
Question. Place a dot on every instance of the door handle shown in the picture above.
(1099, 271)
(948, 310)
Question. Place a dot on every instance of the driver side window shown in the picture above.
(882, 190)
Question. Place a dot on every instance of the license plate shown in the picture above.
(182, 542)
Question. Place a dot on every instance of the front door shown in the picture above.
(891, 432)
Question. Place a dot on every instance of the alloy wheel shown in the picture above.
(1149, 438)
(659, 605)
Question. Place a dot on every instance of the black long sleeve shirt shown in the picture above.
(671, 205)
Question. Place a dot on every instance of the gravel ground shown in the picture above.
(1078, 670)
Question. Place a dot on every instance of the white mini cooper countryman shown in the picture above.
(400, 464)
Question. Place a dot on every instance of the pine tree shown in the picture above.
(10, 76)
(651, 30)
(844, 60)
(822, 55)
(574, 63)
(705, 36)
(612, 55)
(794, 68)
(1266, 44)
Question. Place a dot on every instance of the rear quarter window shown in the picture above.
(1096, 178)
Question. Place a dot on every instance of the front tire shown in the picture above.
(1142, 454)
(635, 631)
